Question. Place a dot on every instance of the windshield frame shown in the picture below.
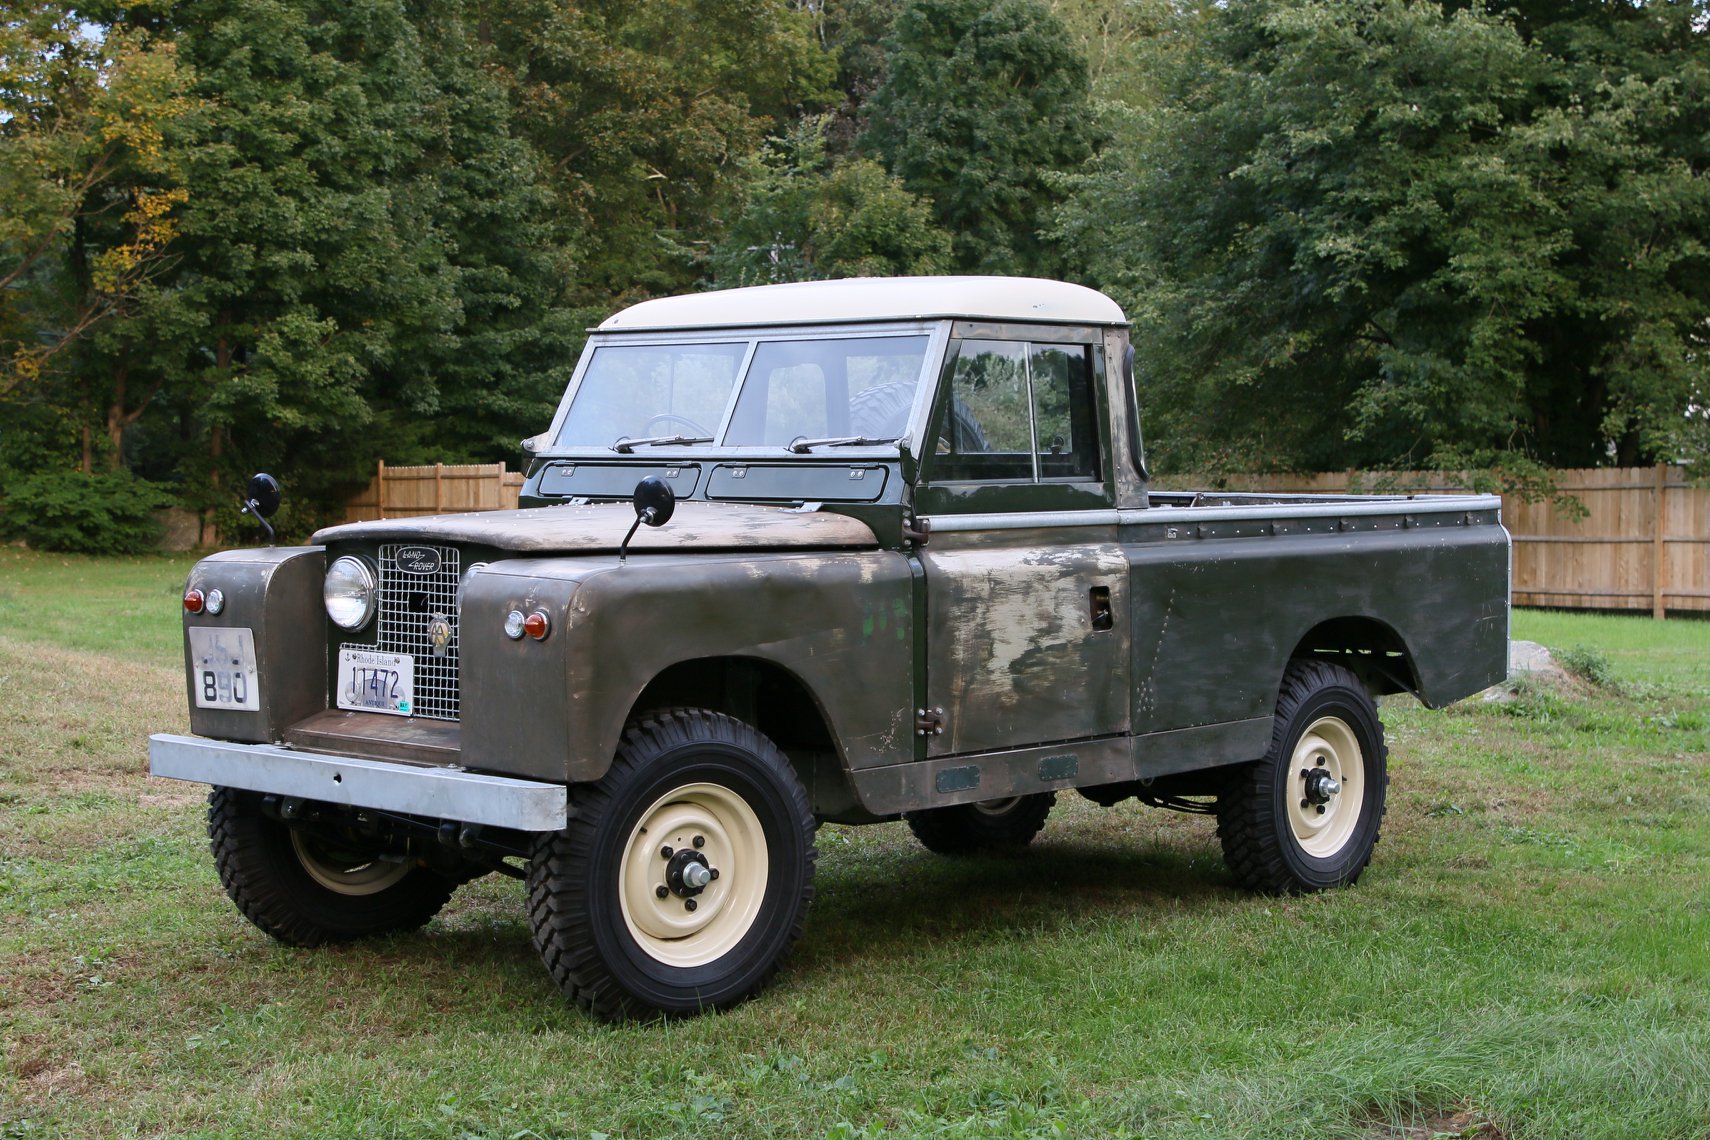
(937, 333)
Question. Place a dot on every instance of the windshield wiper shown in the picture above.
(801, 445)
(625, 445)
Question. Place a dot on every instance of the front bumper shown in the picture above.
(437, 793)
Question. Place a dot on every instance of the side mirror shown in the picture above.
(655, 502)
(262, 495)
(261, 499)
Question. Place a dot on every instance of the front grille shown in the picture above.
(409, 603)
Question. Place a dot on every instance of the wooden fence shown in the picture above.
(443, 488)
(1643, 544)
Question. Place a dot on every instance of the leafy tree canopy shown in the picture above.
(803, 219)
(981, 102)
(1379, 232)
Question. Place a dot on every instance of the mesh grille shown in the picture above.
(408, 605)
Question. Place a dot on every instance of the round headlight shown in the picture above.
(349, 592)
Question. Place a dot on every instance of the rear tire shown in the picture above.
(991, 825)
(684, 875)
(308, 887)
(1306, 817)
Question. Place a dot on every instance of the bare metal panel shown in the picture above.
(436, 793)
(1013, 657)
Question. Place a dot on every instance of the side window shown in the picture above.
(1063, 412)
(986, 433)
(1018, 413)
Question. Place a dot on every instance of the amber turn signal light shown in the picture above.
(193, 601)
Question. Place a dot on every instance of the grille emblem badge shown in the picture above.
(439, 635)
(417, 559)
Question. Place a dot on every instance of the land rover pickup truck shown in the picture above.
(901, 559)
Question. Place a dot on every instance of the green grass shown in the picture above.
(1528, 956)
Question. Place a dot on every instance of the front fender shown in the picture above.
(842, 622)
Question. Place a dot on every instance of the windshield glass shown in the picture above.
(645, 390)
(816, 388)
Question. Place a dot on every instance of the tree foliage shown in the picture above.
(1380, 232)
(981, 103)
(803, 218)
(306, 235)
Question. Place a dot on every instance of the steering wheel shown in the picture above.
(668, 417)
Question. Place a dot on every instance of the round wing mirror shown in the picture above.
(263, 494)
(654, 501)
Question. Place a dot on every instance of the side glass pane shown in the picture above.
(986, 434)
(827, 389)
(652, 390)
(1064, 417)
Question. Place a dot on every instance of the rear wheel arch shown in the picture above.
(1371, 649)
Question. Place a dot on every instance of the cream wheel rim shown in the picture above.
(698, 824)
(1325, 796)
(997, 807)
(344, 873)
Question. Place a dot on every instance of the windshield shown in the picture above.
(689, 394)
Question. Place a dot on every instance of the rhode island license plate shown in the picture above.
(376, 682)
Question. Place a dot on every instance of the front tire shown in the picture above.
(309, 887)
(991, 825)
(1306, 817)
(684, 875)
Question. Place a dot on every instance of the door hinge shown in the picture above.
(917, 531)
(929, 722)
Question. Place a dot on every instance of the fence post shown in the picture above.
(1659, 549)
(380, 488)
(438, 488)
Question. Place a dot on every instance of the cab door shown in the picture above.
(1026, 584)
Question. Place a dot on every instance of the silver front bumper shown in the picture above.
(437, 793)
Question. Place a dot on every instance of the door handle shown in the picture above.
(1098, 602)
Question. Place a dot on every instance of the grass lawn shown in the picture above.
(1528, 955)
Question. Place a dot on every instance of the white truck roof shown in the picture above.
(875, 299)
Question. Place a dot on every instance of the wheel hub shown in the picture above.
(688, 873)
(1320, 785)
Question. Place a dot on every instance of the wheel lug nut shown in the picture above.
(1320, 809)
(661, 890)
(1305, 803)
(666, 852)
(714, 871)
(689, 904)
(700, 842)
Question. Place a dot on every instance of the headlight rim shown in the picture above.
(369, 588)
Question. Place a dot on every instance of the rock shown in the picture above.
(1530, 660)
(1530, 657)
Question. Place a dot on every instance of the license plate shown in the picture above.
(222, 668)
(369, 681)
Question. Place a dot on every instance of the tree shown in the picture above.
(804, 218)
(643, 110)
(92, 180)
(1383, 232)
(363, 269)
(980, 104)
